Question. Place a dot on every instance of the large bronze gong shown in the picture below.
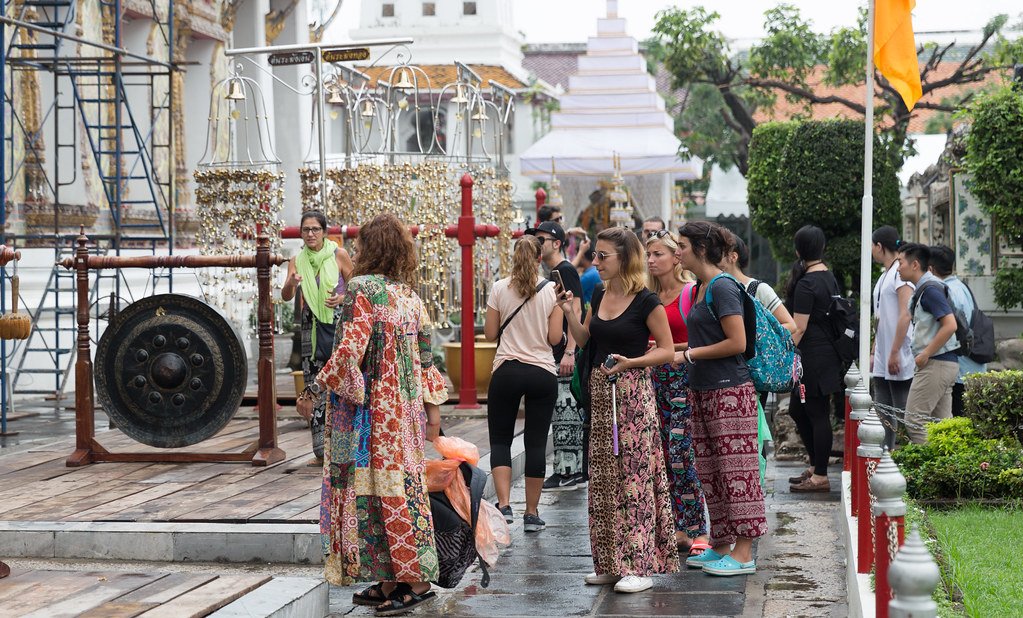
(170, 371)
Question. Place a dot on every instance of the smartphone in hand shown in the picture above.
(558, 281)
(610, 362)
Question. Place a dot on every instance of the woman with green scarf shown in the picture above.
(320, 269)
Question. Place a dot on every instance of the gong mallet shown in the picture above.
(610, 362)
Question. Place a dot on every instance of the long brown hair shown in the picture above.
(630, 252)
(386, 248)
(525, 266)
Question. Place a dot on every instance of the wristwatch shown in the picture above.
(315, 388)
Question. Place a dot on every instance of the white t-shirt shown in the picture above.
(525, 338)
(766, 295)
(886, 309)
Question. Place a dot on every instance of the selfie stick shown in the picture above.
(614, 413)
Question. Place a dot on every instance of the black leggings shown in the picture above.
(508, 385)
(814, 424)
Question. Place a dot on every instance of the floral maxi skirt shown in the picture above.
(632, 531)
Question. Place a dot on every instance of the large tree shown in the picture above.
(727, 88)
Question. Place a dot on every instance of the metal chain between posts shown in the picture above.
(871, 469)
(893, 539)
(892, 417)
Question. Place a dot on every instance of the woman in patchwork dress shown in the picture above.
(375, 513)
(632, 531)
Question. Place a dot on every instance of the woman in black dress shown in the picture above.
(808, 298)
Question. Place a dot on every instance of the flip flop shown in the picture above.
(371, 596)
(397, 602)
(698, 547)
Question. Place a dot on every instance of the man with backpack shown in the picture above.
(934, 343)
(943, 261)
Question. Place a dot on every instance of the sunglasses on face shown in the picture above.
(603, 255)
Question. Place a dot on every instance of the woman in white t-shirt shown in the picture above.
(735, 263)
(525, 320)
(891, 361)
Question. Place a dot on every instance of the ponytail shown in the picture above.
(525, 266)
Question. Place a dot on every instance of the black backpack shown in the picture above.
(964, 334)
(456, 538)
(983, 348)
(845, 327)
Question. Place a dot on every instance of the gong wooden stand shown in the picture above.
(264, 450)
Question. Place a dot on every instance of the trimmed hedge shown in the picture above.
(994, 401)
(811, 173)
(956, 463)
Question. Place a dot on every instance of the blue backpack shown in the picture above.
(774, 364)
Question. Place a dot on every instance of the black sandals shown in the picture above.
(402, 600)
(371, 596)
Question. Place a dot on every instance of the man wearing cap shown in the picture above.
(567, 424)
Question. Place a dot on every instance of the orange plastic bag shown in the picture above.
(444, 475)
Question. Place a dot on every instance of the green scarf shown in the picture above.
(311, 263)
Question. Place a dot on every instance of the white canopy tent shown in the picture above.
(612, 108)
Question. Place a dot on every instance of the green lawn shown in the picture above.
(981, 549)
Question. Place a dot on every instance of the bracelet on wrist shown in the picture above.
(688, 355)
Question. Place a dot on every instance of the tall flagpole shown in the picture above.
(867, 209)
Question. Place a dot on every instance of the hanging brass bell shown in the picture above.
(481, 114)
(459, 98)
(405, 81)
(235, 92)
(335, 97)
(367, 110)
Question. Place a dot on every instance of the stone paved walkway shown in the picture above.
(801, 570)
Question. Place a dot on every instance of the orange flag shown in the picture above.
(895, 49)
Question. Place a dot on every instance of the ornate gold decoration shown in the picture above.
(275, 19)
(426, 194)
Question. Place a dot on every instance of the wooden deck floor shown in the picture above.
(35, 485)
(116, 594)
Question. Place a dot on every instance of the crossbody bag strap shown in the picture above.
(539, 286)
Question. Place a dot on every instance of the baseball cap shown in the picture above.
(549, 227)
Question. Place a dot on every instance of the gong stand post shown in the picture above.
(268, 451)
(87, 449)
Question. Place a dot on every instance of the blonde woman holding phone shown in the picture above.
(632, 531)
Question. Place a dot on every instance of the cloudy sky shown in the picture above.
(562, 21)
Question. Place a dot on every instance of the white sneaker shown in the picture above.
(599, 580)
(632, 583)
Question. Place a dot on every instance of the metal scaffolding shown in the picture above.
(106, 105)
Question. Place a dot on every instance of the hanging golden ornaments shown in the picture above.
(234, 206)
(426, 194)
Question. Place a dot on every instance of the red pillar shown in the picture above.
(541, 199)
(466, 239)
(885, 553)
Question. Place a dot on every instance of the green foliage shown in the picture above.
(1009, 288)
(957, 463)
(994, 402)
(763, 181)
(704, 130)
(791, 48)
(694, 51)
(817, 179)
(994, 155)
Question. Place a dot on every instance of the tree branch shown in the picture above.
(809, 95)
